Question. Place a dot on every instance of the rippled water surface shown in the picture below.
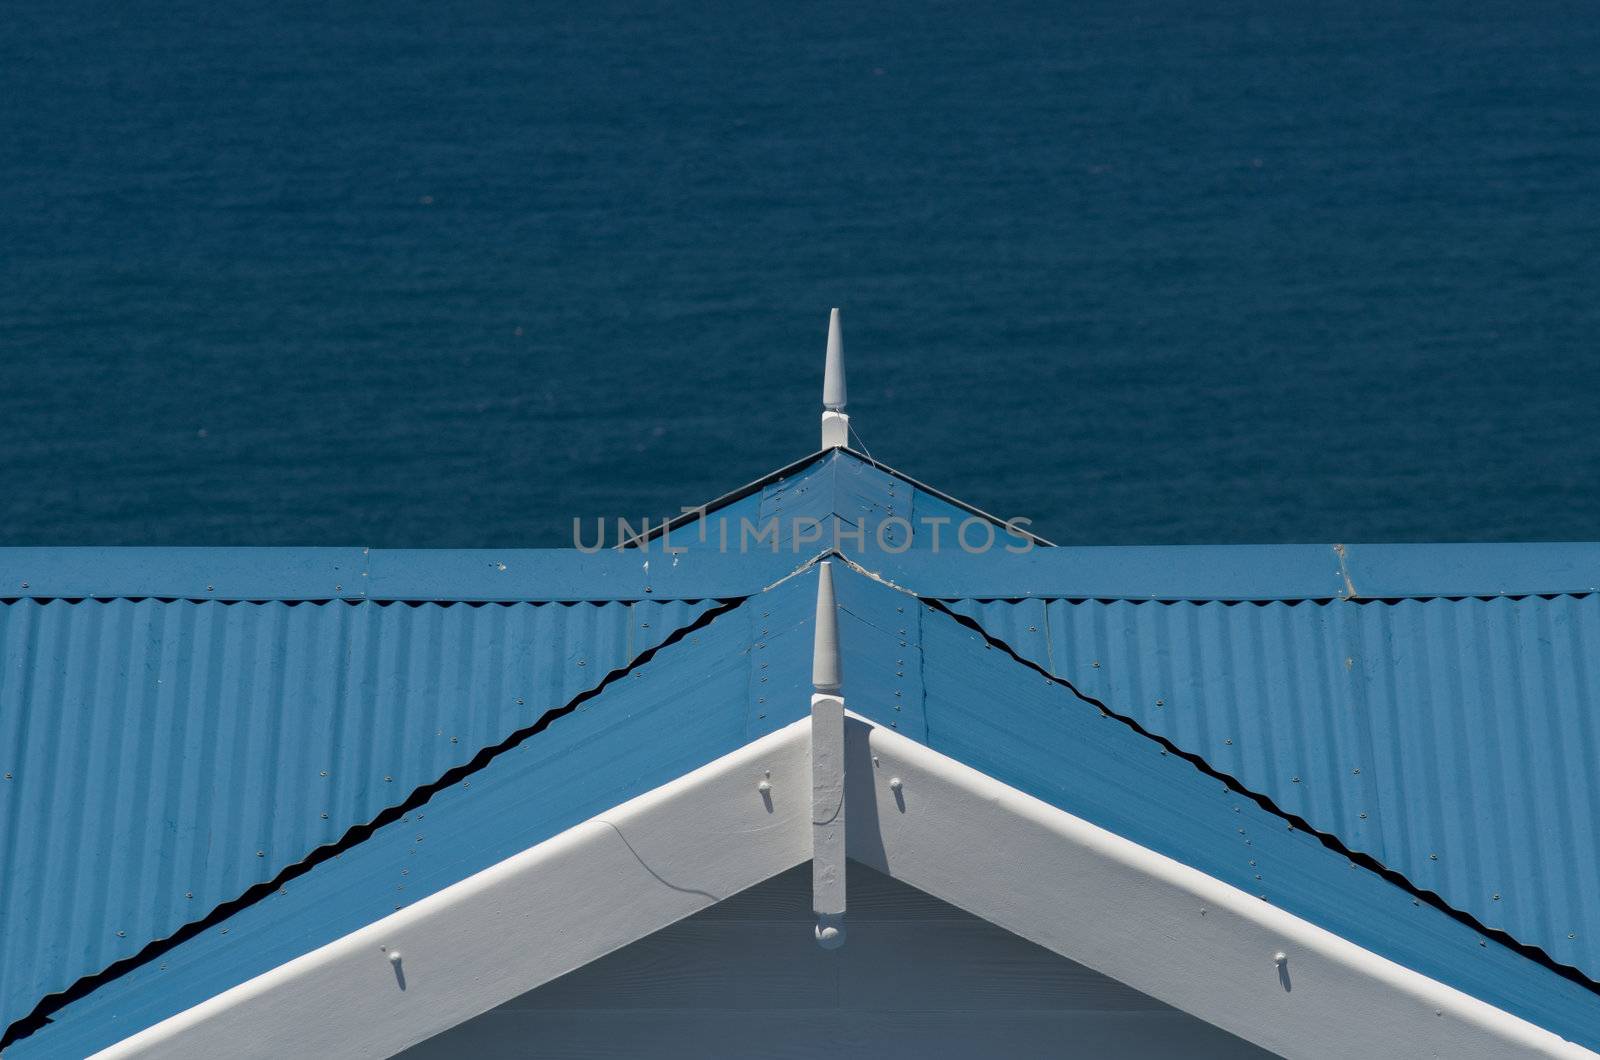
(450, 275)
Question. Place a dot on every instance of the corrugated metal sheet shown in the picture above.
(1455, 741)
(681, 709)
(160, 758)
(986, 710)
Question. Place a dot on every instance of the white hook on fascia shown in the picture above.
(827, 769)
(835, 424)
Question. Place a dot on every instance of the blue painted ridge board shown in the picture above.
(1002, 718)
(681, 709)
(1451, 740)
(1245, 572)
(441, 575)
(1392, 571)
(161, 758)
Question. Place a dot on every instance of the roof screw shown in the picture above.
(324, 772)
(122, 934)
(519, 701)
(388, 780)
(1228, 742)
(261, 853)
(1433, 857)
(894, 784)
(1280, 958)
(1497, 897)
(324, 817)
(1161, 702)
(8, 776)
(210, 589)
(1363, 817)
(394, 956)
(188, 894)
(1356, 771)
(1294, 780)
(24, 585)
(764, 787)
(1096, 664)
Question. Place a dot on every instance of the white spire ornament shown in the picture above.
(835, 424)
(827, 770)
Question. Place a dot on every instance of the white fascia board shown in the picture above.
(1156, 924)
(595, 888)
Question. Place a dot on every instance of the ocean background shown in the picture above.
(454, 274)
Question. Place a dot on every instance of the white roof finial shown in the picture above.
(833, 396)
(827, 771)
(825, 676)
(835, 424)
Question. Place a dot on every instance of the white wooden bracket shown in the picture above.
(827, 770)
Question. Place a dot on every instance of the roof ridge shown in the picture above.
(832, 460)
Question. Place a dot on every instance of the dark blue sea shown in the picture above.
(452, 274)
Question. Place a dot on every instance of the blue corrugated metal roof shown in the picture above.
(161, 758)
(1451, 740)
(1038, 736)
(157, 738)
(907, 664)
(683, 708)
